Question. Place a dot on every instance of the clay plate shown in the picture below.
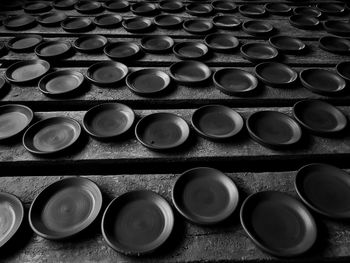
(106, 73)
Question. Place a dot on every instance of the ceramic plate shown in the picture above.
(24, 43)
(190, 50)
(27, 71)
(190, 72)
(106, 73)
(276, 74)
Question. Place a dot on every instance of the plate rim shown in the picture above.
(78, 40)
(11, 41)
(178, 45)
(294, 74)
(186, 82)
(44, 44)
(102, 63)
(222, 49)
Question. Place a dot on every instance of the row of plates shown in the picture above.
(164, 131)
(196, 9)
(139, 222)
(145, 82)
(139, 24)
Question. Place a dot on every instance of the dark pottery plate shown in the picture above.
(343, 69)
(65, 208)
(14, 119)
(157, 44)
(221, 42)
(76, 24)
(205, 195)
(137, 24)
(190, 50)
(217, 122)
(333, 44)
(108, 120)
(224, 6)
(24, 43)
(276, 74)
(168, 21)
(278, 8)
(258, 28)
(123, 51)
(88, 7)
(331, 8)
(108, 20)
(226, 22)
(19, 22)
(137, 222)
(322, 81)
(61, 82)
(162, 131)
(64, 4)
(278, 223)
(273, 129)
(171, 6)
(51, 50)
(259, 52)
(199, 9)
(148, 81)
(51, 135)
(234, 82)
(11, 216)
(51, 19)
(336, 27)
(252, 10)
(319, 116)
(190, 72)
(304, 21)
(308, 11)
(325, 189)
(23, 72)
(197, 26)
(37, 7)
(287, 44)
(144, 9)
(117, 5)
(90, 43)
(106, 73)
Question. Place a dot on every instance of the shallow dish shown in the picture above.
(190, 72)
(258, 28)
(273, 129)
(137, 222)
(278, 8)
(252, 10)
(61, 82)
(308, 11)
(19, 22)
(76, 24)
(259, 52)
(190, 50)
(52, 50)
(108, 20)
(14, 119)
(27, 71)
(235, 82)
(24, 43)
(217, 122)
(336, 27)
(90, 44)
(168, 21)
(162, 131)
(226, 22)
(106, 73)
(224, 6)
(197, 26)
(51, 135)
(343, 69)
(117, 5)
(322, 81)
(88, 7)
(304, 21)
(205, 195)
(287, 44)
(171, 6)
(333, 44)
(108, 120)
(144, 9)
(65, 208)
(148, 81)
(64, 4)
(263, 213)
(221, 42)
(325, 189)
(331, 8)
(199, 9)
(276, 74)
(11, 216)
(123, 51)
(157, 44)
(51, 19)
(137, 25)
(319, 116)
(36, 7)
